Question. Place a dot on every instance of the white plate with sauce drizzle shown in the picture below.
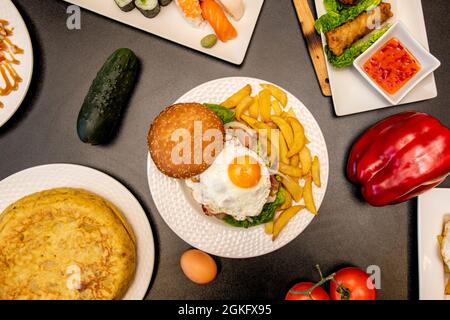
(21, 38)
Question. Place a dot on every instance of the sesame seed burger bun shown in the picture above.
(161, 138)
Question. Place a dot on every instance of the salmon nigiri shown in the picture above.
(191, 10)
(214, 14)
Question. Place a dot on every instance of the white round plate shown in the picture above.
(185, 217)
(22, 39)
(52, 176)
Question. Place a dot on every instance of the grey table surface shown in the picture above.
(346, 232)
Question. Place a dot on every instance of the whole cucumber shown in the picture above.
(107, 97)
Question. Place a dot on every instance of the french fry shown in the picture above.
(264, 105)
(253, 110)
(242, 106)
(283, 150)
(441, 239)
(272, 125)
(277, 93)
(293, 188)
(290, 170)
(262, 125)
(285, 115)
(285, 128)
(299, 137)
(276, 107)
(447, 288)
(291, 113)
(250, 121)
(269, 227)
(315, 172)
(308, 196)
(234, 100)
(305, 160)
(283, 220)
(295, 160)
(287, 201)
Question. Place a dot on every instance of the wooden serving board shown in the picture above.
(314, 42)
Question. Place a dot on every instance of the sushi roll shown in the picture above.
(164, 2)
(191, 10)
(149, 8)
(125, 5)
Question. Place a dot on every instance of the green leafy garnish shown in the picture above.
(333, 19)
(346, 59)
(333, 5)
(226, 115)
(267, 214)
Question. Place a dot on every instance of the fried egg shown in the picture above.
(445, 245)
(237, 183)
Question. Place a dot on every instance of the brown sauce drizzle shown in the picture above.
(8, 51)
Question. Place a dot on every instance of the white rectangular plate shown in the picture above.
(351, 92)
(170, 25)
(433, 210)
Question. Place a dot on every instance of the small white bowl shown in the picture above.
(426, 60)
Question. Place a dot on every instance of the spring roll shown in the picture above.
(346, 35)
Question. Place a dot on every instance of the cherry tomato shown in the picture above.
(317, 294)
(352, 284)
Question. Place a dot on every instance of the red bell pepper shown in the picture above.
(400, 157)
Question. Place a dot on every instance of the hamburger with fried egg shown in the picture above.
(236, 185)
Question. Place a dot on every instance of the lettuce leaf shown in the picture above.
(350, 54)
(333, 19)
(333, 5)
(266, 215)
(226, 115)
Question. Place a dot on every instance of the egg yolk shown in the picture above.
(244, 172)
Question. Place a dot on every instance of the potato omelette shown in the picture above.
(65, 244)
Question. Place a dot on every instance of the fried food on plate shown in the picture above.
(234, 100)
(283, 220)
(444, 243)
(264, 105)
(345, 36)
(167, 133)
(352, 28)
(308, 196)
(65, 244)
(306, 160)
(299, 137)
(257, 177)
(315, 172)
(243, 106)
(293, 188)
(277, 93)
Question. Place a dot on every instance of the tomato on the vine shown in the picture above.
(317, 294)
(352, 284)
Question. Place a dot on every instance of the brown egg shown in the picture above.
(198, 266)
